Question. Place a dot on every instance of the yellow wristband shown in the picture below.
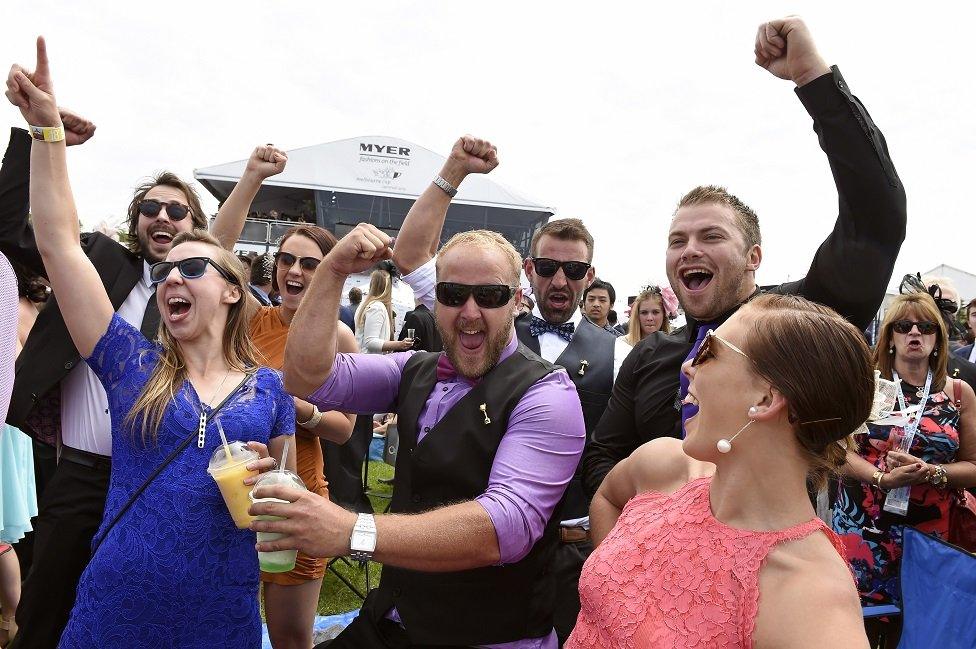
(47, 133)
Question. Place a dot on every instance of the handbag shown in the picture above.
(159, 469)
(962, 506)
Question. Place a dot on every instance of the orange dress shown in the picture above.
(669, 574)
(269, 334)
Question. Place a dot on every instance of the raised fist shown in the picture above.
(33, 92)
(474, 155)
(77, 129)
(786, 48)
(266, 161)
(361, 249)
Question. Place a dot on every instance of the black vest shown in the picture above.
(488, 605)
(594, 383)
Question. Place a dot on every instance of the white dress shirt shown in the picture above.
(85, 420)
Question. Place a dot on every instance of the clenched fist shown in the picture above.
(362, 248)
(475, 155)
(266, 161)
(786, 48)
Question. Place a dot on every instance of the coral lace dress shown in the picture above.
(670, 574)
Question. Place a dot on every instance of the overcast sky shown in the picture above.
(606, 111)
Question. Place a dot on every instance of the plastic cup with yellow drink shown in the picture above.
(228, 467)
(279, 560)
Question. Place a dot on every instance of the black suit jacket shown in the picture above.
(49, 353)
(849, 273)
(426, 332)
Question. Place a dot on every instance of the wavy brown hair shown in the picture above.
(821, 364)
(906, 307)
(170, 370)
(166, 179)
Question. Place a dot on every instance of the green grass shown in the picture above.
(335, 596)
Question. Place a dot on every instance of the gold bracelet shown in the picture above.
(876, 478)
(47, 133)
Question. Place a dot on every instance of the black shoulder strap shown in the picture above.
(159, 469)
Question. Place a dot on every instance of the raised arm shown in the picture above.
(311, 348)
(265, 161)
(84, 304)
(420, 234)
(16, 235)
(334, 426)
(871, 220)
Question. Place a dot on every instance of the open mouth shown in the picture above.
(471, 339)
(558, 301)
(294, 288)
(696, 279)
(690, 400)
(161, 237)
(914, 344)
(177, 308)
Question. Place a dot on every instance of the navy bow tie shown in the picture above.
(538, 326)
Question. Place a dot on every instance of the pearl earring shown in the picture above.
(725, 445)
(891, 350)
(753, 410)
(935, 352)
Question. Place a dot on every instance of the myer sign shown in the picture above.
(386, 163)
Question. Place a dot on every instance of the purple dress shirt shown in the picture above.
(535, 460)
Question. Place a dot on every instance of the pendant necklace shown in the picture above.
(202, 430)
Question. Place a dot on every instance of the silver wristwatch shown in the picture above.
(362, 543)
(448, 188)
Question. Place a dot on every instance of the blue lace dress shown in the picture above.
(174, 571)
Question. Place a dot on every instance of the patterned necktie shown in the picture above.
(538, 326)
(689, 409)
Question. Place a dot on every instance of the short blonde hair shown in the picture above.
(486, 240)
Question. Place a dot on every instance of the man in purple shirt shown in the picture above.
(490, 435)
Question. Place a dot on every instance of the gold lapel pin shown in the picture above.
(484, 410)
(583, 365)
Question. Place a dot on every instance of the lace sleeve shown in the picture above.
(121, 353)
(284, 408)
(8, 332)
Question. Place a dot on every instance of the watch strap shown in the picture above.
(365, 523)
(448, 188)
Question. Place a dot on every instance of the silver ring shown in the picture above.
(275, 467)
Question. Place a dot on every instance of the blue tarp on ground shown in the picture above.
(376, 449)
(322, 623)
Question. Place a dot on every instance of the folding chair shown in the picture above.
(938, 588)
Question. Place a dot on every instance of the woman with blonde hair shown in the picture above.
(652, 310)
(374, 318)
(167, 549)
(932, 455)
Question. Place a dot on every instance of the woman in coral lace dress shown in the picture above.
(713, 542)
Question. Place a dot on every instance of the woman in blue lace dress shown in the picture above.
(174, 571)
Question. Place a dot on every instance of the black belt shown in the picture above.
(84, 458)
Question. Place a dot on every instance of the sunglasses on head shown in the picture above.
(925, 328)
(487, 296)
(190, 268)
(175, 211)
(546, 267)
(288, 260)
(705, 350)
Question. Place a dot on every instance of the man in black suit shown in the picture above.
(426, 337)
(56, 398)
(714, 250)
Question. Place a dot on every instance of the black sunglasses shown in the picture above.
(925, 328)
(487, 296)
(175, 211)
(288, 260)
(546, 267)
(190, 268)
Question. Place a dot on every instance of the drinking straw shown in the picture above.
(284, 458)
(223, 439)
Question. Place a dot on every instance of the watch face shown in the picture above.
(363, 541)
